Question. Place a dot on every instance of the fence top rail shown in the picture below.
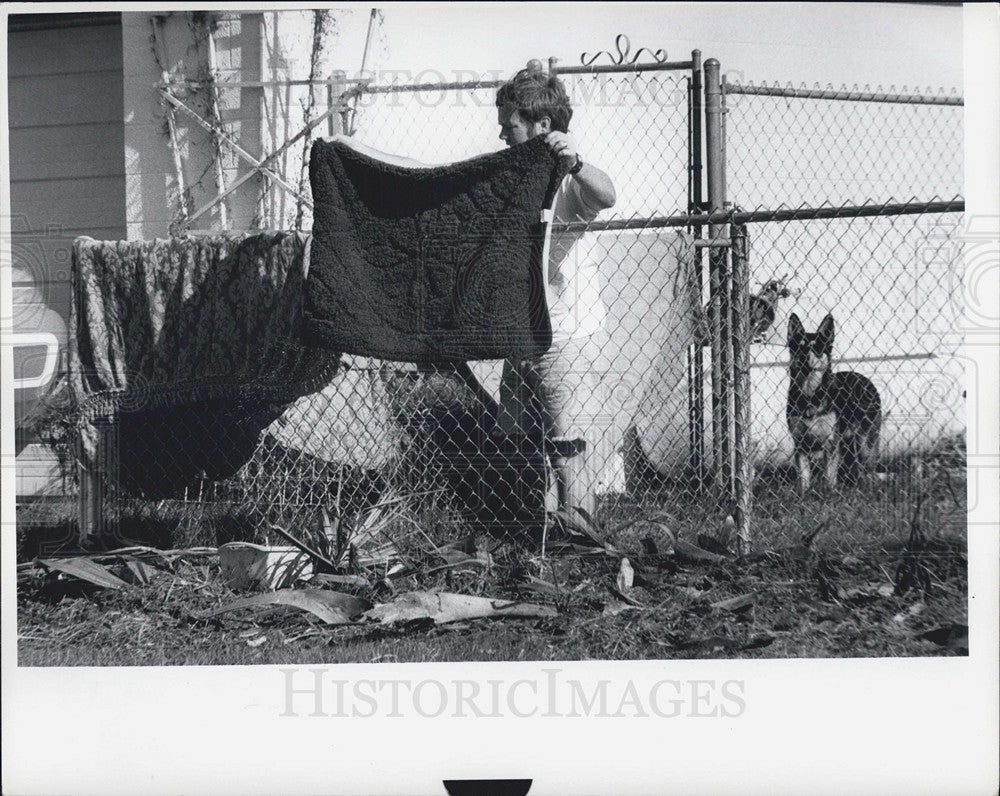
(845, 96)
(399, 88)
(621, 61)
(645, 222)
(194, 83)
(594, 69)
(758, 216)
(470, 85)
(843, 211)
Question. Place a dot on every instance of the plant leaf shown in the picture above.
(626, 576)
(85, 569)
(314, 554)
(685, 551)
(326, 526)
(539, 585)
(326, 541)
(334, 608)
(143, 573)
(577, 528)
(740, 603)
(328, 579)
(728, 532)
(586, 516)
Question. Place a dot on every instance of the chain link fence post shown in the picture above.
(696, 353)
(718, 277)
(743, 449)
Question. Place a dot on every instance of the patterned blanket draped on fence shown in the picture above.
(178, 336)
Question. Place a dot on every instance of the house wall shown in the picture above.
(67, 168)
(64, 95)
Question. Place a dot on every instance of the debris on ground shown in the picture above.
(440, 608)
(650, 584)
(253, 566)
(954, 637)
(734, 604)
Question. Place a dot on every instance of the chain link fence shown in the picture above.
(839, 204)
(852, 204)
(394, 454)
(433, 433)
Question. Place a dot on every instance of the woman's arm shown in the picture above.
(364, 149)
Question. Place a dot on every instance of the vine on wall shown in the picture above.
(196, 88)
(324, 31)
(193, 80)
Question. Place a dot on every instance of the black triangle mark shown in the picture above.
(487, 787)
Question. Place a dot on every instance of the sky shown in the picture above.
(876, 43)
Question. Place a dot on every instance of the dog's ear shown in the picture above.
(795, 329)
(824, 335)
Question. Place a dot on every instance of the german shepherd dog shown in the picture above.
(834, 418)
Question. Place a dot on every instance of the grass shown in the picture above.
(832, 598)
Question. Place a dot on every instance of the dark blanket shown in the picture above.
(191, 347)
(429, 264)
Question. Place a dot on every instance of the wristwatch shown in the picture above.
(577, 166)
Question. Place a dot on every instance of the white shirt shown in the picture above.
(573, 290)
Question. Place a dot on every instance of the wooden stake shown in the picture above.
(220, 174)
(157, 23)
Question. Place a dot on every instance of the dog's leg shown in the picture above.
(872, 451)
(833, 461)
(864, 462)
(805, 471)
(850, 449)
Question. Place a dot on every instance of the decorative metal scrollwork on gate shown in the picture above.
(624, 47)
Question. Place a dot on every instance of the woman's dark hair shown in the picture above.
(535, 95)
